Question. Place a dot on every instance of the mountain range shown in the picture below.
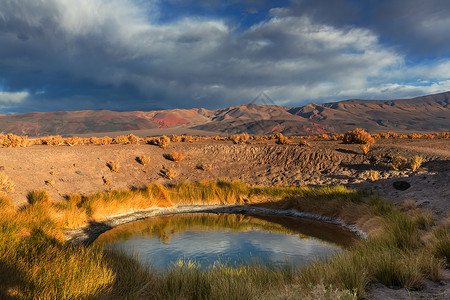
(421, 114)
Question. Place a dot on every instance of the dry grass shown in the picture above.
(113, 165)
(168, 173)
(6, 185)
(50, 182)
(364, 148)
(143, 160)
(304, 143)
(373, 175)
(399, 163)
(205, 167)
(415, 162)
(175, 156)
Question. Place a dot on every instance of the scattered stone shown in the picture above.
(401, 185)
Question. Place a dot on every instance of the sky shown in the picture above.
(164, 54)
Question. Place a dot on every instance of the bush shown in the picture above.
(6, 185)
(143, 160)
(12, 140)
(358, 136)
(304, 143)
(416, 162)
(162, 141)
(53, 140)
(175, 156)
(373, 175)
(282, 140)
(106, 140)
(113, 166)
(239, 139)
(168, 173)
(399, 163)
(364, 148)
(205, 167)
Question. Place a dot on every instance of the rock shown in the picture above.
(401, 185)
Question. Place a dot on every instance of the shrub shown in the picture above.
(121, 139)
(205, 167)
(6, 185)
(364, 148)
(162, 141)
(168, 173)
(106, 140)
(12, 140)
(416, 162)
(73, 141)
(106, 181)
(304, 143)
(373, 175)
(358, 136)
(282, 140)
(399, 163)
(53, 140)
(175, 156)
(50, 182)
(143, 160)
(113, 166)
(239, 139)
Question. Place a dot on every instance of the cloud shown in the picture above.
(116, 54)
(12, 97)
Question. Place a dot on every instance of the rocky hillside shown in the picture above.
(422, 114)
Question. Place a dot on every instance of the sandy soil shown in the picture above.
(84, 170)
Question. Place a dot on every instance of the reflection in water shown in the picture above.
(206, 238)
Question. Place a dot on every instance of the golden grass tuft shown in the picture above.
(364, 148)
(113, 165)
(168, 173)
(373, 175)
(143, 160)
(6, 185)
(399, 163)
(304, 143)
(205, 167)
(415, 162)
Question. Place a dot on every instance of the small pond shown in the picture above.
(206, 238)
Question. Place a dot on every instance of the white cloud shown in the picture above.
(13, 97)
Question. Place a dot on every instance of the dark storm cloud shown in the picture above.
(116, 54)
(417, 27)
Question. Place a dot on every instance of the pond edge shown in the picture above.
(88, 233)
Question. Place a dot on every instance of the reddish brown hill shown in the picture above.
(425, 114)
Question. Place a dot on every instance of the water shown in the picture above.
(207, 238)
